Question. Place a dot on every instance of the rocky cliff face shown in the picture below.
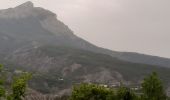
(27, 24)
(24, 10)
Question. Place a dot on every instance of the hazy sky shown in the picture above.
(124, 25)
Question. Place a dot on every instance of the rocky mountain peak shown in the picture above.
(20, 11)
(24, 10)
(25, 5)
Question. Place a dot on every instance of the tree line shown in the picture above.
(152, 89)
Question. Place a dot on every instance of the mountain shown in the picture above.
(29, 25)
(62, 67)
(33, 39)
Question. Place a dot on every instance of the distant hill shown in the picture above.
(62, 67)
(33, 39)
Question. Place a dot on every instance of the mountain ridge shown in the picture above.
(34, 40)
(48, 23)
(52, 31)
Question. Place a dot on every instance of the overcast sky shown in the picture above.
(123, 25)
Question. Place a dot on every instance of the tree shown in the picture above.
(92, 92)
(18, 86)
(2, 88)
(152, 88)
(124, 93)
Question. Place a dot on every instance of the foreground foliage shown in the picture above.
(17, 88)
(152, 89)
(125, 93)
(92, 92)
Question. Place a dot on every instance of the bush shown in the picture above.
(125, 93)
(92, 92)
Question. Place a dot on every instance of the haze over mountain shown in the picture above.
(140, 26)
(29, 24)
(33, 39)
